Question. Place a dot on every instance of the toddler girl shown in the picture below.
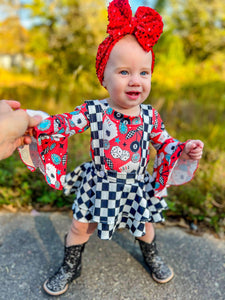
(115, 190)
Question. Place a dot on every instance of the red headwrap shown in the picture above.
(146, 26)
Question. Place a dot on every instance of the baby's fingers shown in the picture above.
(196, 153)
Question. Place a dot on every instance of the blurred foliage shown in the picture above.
(21, 188)
(187, 88)
(200, 24)
(66, 40)
(15, 34)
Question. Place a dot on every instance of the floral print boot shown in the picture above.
(69, 270)
(160, 271)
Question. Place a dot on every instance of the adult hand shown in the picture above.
(13, 126)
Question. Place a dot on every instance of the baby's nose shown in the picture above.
(134, 80)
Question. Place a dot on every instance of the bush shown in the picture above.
(21, 188)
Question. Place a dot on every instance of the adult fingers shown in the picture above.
(13, 104)
(34, 121)
(7, 105)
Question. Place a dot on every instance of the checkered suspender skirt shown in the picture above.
(113, 199)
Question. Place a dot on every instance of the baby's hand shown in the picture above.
(193, 150)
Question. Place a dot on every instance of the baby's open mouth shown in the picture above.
(133, 93)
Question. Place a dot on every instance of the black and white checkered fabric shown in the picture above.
(95, 117)
(113, 199)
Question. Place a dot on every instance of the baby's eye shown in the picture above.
(123, 72)
(144, 73)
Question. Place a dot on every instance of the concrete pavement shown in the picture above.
(31, 249)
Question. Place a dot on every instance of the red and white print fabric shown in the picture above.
(122, 137)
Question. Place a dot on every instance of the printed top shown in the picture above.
(122, 147)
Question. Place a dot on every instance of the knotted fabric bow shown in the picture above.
(146, 26)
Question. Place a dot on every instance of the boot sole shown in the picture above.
(54, 293)
(62, 291)
(164, 280)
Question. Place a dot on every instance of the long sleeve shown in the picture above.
(169, 169)
(48, 150)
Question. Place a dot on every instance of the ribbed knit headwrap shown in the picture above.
(146, 26)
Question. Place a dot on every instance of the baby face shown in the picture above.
(127, 76)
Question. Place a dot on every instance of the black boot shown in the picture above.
(69, 270)
(160, 271)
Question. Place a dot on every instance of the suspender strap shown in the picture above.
(95, 117)
(147, 128)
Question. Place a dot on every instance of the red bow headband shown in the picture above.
(146, 26)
